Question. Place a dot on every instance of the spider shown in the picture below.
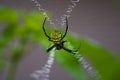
(57, 38)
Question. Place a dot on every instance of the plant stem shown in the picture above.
(12, 71)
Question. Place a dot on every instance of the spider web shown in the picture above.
(43, 73)
(73, 4)
(92, 73)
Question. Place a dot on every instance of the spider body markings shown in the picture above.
(57, 38)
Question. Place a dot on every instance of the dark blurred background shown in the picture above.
(98, 20)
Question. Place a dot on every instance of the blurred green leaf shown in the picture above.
(8, 14)
(103, 60)
(16, 53)
(9, 30)
(2, 60)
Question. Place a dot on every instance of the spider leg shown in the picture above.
(69, 50)
(44, 28)
(63, 42)
(50, 48)
(66, 29)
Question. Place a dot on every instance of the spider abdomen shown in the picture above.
(55, 36)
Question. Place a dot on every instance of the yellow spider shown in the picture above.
(57, 38)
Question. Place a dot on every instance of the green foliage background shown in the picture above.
(27, 26)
